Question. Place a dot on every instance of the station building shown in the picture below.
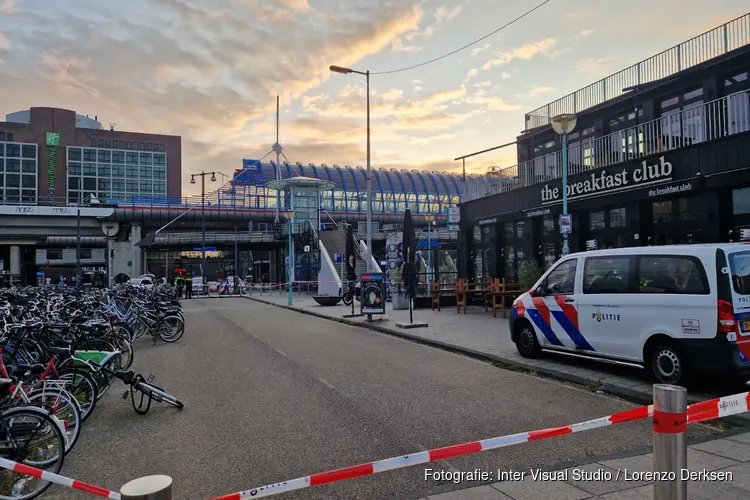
(660, 155)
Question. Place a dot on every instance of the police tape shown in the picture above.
(58, 479)
(698, 412)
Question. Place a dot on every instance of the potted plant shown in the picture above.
(529, 272)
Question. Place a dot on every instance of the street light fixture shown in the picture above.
(203, 215)
(289, 215)
(564, 125)
(346, 71)
(430, 219)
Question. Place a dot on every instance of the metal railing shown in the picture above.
(697, 50)
(722, 117)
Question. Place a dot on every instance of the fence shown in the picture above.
(709, 121)
(670, 415)
(697, 50)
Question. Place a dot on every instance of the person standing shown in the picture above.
(189, 287)
(179, 281)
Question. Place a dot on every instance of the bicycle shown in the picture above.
(145, 387)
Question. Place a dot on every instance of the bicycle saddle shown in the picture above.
(36, 369)
(60, 351)
(5, 384)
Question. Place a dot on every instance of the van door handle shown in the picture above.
(570, 299)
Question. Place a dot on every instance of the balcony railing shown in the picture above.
(718, 41)
(704, 122)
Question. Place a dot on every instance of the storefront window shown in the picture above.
(519, 228)
(477, 234)
(597, 220)
(510, 261)
(689, 209)
(508, 229)
(550, 254)
(617, 217)
(488, 234)
(662, 211)
(549, 225)
(741, 201)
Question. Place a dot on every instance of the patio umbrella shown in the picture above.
(351, 255)
(410, 268)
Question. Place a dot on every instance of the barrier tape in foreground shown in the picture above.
(57, 479)
(698, 412)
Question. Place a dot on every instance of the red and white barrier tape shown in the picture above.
(698, 412)
(58, 479)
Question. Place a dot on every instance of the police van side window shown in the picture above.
(607, 275)
(672, 274)
(561, 281)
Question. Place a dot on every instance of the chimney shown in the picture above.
(96, 118)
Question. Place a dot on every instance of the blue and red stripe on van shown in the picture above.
(567, 317)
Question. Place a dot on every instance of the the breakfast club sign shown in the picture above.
(608, 181)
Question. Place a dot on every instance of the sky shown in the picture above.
(210, 70)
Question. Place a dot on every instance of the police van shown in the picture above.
(675, 310)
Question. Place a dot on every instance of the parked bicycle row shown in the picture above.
(61, 349)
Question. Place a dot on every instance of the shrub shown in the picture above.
(529, 273)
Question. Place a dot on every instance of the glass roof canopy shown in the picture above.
(394, 190)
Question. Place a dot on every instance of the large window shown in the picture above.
(607, 274)
(115, 174)
(18, 172)
(741, 201)
(672, 274)
(740, 266)
(561, 281)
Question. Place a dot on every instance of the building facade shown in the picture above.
(54, 156)
(664, 162)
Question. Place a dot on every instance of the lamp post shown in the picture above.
(289, 217)
(166, 250)
(346, 71)
(203, 216)
(563, 125)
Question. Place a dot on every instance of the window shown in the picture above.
(597, 220)
(143, 146)
(561, 281)
(13, 150)
(149, 146)
(93, 143)
(693, 94)
(670, 103)
(741, 201)
(739, 264)
(161, 147)
(74, 154)
(89, 155)
(9, 136)
(129, 146)
(519, 228)
(549, 225)
(662, 211)
(617, 217)
(28, 151)
(121, 144)
(85, 253)
(108, 143)
(607, 275)
(673, 274)
(54, 254)
(101, 143)
(734, 80)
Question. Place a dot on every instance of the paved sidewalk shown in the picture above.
(729, 457)
(478, 334)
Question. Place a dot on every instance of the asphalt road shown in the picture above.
(272, 395)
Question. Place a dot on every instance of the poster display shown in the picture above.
(373, 293)
(394, 257)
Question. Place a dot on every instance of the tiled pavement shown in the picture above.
(730, 456)
(477, 333)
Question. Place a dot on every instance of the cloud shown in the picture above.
(198, 68)
(8, 7)
(576, 15)
(491, 103)
(525, 52)
(444, 14)
(587, 33)
(595, 66)
(504, 75)
(477, 50)
(540, 90)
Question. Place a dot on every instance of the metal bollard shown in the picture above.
(670, 441)
(148, 488)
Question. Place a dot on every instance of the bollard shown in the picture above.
(670, 442)
(148, 488)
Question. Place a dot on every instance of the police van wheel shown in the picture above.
(665, 362)
(526, 341)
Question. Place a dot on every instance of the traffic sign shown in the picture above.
(566, 224)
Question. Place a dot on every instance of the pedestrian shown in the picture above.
(189, 287)
(179, 281)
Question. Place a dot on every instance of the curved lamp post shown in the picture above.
(563, 125)
(203, 216)
(289, 215)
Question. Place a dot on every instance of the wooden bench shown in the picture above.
(464, 291)
(437, 290)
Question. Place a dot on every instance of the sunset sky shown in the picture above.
(209, 70)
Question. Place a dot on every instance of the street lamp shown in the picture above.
(203, 215)
(346, 71)
(166, 250)
(563, 125)
(289, 216)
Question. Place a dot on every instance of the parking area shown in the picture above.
(271, 395)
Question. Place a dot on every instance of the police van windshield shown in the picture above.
(739, 265)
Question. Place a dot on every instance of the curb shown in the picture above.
(626, 393)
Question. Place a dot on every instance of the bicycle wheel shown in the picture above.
(171, 329)
(120, 343)
(31, 437)
(83, 388)
(121, 328)
(64, 406)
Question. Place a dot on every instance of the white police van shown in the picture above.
(676, 310)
